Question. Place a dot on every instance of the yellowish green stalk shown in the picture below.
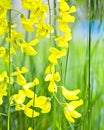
(89, 66)
(50, 20)
(9, 67)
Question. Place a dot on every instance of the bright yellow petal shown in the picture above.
(68, 115)
(30, 51)
(70, 95)
(43, 103)
(2, 51)
(75, 114)
(72, 9)
(75, 104)
(24, 70)
(21, 80)
(29, 93)
(30, 112)
(36, 81)
(30, 128)
(28, 85)
(64, 6)
(62, 53)
(52, 59)
(33, 42)
(52, 87)
(57, 77)
(50, 69)
(1, 100)
(49, 77)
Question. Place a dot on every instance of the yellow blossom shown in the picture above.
(30, 112)
(27, 47)
(52, 78)
(31, 84)
(30, 128)
(56, 54)
(20, 78)
(50, 69)
(27, 4)
(62, 41)
(18, 72)
(41, 102)
(3, 85)
(18, 100)
(38, 11)
(29, 93)
(15, 37)
(6, 4)
(43, 30)
(27, 24)
(70, 95)
(70, 112)
(2, 93)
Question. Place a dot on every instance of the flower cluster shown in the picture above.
(26, 98)
(56, 54)
(37, 18)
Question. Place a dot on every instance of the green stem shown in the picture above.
(50, 20)
(3, 114)
(9, 68)
(66, 64)
(57, 99)
(89, 66)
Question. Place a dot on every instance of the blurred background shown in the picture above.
(84, 66)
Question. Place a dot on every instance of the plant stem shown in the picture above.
(66, 64)
(89, 66)
(9, 67)
(57, 100)
(50, 20)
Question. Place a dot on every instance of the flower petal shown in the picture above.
(30, 112)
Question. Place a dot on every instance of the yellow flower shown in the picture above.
(18, 72)
(27, 47)
(38, 12)
(3, 76)
(30, 112)
(62, 41)
(18, 100)
(2, 51)
(20, 78)
(30, 128)
(27, 24)
(6, 4)
(52, 78)
(50, 69)
(64, 27)
(27, 4)
(2, 93)
(70, 112)
(56, 54)
(41, 102)
(4, 54)
(43, 30)
(15, 36)
(29, 93)
(31, 84)
(70, 95)
(64, 7)
(3, 85)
